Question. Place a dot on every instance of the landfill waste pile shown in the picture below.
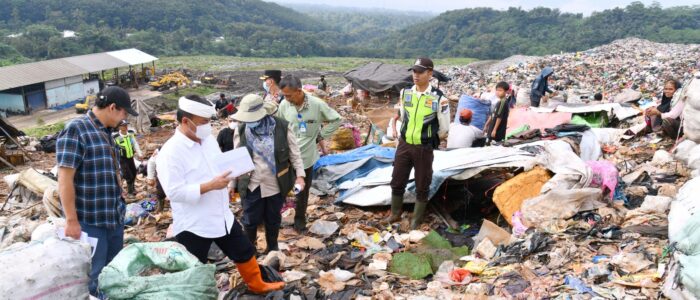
(599, 208)
(632, 63)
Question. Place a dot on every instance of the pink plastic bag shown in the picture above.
(604, 175)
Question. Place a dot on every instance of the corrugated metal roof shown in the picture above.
(42, 71)
(97, 62)
(31, 73)
(133, 56)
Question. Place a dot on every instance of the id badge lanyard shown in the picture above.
(302, 124)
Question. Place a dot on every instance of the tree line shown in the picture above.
(33, 30)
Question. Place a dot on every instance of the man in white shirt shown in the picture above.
(462, 134)
(188, 171)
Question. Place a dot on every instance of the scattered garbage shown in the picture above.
(323, 228)
(334, 280)
(559, 211)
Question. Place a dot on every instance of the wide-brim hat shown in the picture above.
(253, 108)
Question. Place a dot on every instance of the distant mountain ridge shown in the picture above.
(34, 29)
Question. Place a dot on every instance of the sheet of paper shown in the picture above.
(61, 232)
(238, 161)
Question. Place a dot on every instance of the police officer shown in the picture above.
(128, 146)
(425, 116)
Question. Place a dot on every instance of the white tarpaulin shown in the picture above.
(621, 112)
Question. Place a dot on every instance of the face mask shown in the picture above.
(232, 125)
(203, 131)
(266, 87)
(253, 124)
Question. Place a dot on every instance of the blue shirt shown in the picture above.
(86, 146)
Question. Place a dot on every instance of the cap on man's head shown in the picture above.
(276, 75)
(118, 96)
(466, 114)
(422, 64)
(123, 123)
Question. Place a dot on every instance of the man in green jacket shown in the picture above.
(425, 119)
(305, 114)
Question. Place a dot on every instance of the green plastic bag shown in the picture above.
(427, 257)
(517, 131)
(597, 119)
(185, 277)
(411, 265)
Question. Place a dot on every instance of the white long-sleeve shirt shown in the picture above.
(182, 166)
(151, 166)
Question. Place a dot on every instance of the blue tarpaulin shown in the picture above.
(67, 105)
(356, 154)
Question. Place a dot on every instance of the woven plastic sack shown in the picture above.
(690, 273)
(46, 268)
(480, 110)
(185, 277)
(691, 110)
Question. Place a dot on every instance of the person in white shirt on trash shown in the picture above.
(462, 134)
(187, 168)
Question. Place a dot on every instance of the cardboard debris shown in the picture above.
(310, 243)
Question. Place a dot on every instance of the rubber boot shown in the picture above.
(252, 233)
(271, 234)
(418, 212)
(250, 271)
(396, 206)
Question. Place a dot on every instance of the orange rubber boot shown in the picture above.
(250, 271)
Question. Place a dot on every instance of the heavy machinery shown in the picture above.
(174, 79)
(82, 107)
(221, 81)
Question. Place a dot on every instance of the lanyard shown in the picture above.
(107, 140)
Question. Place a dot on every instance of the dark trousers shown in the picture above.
(235, 244)
(418, 157)
(160, 193)
(535, 101)
(670, 127)
(258, 210)
(303, 196)
(128, 169)
(109, 242)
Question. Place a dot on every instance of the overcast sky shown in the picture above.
(438, 6)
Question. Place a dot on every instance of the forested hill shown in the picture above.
(486, 33)
(161, 27)
(42, 29)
